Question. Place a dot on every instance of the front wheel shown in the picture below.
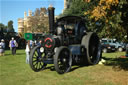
(36, 59)
(62, 60)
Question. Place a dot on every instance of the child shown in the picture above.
(2, 47)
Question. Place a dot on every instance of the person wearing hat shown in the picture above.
(2, 47)
(13, 44)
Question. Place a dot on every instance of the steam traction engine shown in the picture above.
(67, 43)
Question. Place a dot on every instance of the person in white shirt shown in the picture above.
(2, 47)
(27, 50)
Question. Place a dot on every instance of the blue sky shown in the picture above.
(14, 9)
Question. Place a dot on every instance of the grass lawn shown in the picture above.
(14, 71)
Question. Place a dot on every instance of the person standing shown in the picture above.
(13, 44)
(38, 50)
(27, 50)
(2, 47)
(31, 44)
(39, 43)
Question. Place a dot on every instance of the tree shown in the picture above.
(10, 26)
(38, 22)
(76, 8)
(106, 17)
(3, 27)
(111, 14)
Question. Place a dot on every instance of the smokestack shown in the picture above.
(51, 18)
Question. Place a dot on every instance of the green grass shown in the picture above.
(14, 71)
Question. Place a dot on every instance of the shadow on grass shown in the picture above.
(52, 68)
(74, 67)
(117, 63)
(20, 53)
(15, 54)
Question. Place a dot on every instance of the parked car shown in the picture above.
(118, 45)
(108, 48)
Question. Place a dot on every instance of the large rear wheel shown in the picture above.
(36, 59)
(93, 48)
(62, 60)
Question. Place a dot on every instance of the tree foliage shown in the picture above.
(10, 26)
(78, 7)
(3, 27)
(109, 18)
(38, 22)
(110, 13)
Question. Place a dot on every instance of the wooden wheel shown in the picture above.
(36, 59)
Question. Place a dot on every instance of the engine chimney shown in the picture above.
(51, 19)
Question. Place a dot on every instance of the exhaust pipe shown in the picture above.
(51, 19)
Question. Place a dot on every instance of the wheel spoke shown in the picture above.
(40, 65)
(35, 63)
(36, 54)
(34, 60)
